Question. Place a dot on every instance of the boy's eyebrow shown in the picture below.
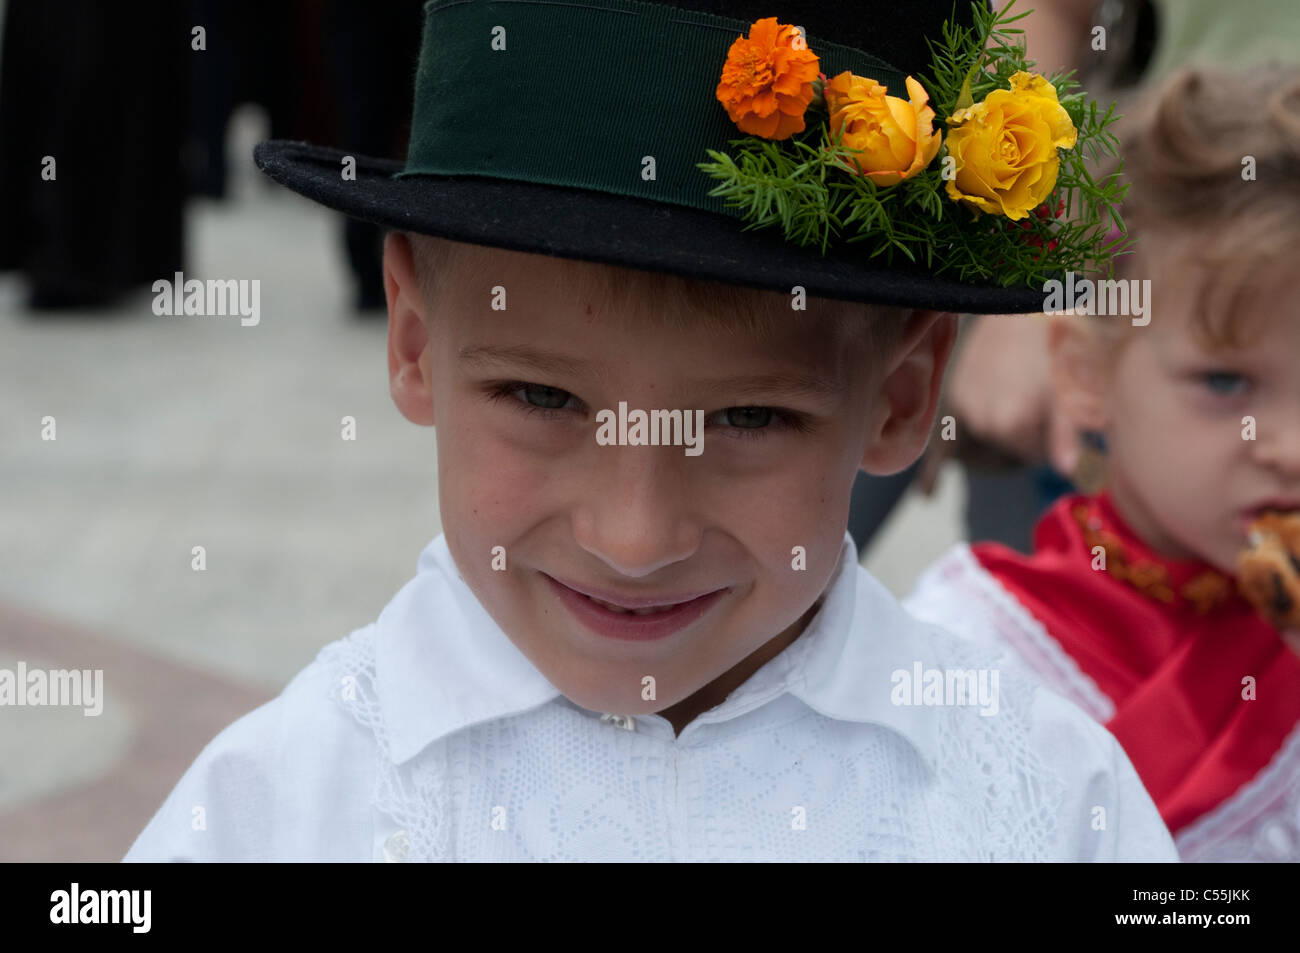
(547, 362)
(789, 385)
(552, 362)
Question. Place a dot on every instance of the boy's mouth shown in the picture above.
(635, 604)
(634, 618)
(651, 611)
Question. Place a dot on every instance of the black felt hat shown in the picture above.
(535, 123)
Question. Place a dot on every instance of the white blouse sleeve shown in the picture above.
(1107, 814)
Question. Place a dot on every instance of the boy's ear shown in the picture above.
(1079, 377)
(907, 394)
(409, 374)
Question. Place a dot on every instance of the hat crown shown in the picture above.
(577, 128)
(615, 96)
(894, 31)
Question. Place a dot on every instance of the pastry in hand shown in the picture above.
(1268, 569)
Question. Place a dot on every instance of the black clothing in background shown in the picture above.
(372, 54)
(100, 87)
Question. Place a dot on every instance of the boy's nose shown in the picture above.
(636, 513)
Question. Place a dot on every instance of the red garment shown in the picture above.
(1169, 642)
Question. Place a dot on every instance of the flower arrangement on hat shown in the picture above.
(979, 170)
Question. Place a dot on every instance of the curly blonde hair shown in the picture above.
(1188, 148)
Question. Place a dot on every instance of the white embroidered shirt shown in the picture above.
(429, 736)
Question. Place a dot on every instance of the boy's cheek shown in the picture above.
(484, 456)
(495, 505)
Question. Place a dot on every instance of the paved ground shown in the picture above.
(173, 434)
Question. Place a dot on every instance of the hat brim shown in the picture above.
(615, 230)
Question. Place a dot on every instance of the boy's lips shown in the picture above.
(673, 612)
(642, 601)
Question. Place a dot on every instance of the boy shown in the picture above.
(660, 649)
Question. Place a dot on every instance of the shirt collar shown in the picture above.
(442, 663)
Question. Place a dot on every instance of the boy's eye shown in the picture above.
(756, 422)
(539, 395)
(747, 418)
(1225, 383)
(549, 402)
(552, 402)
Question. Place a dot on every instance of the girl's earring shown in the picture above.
(1090, 472)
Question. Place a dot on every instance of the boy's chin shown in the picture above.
(602, 702)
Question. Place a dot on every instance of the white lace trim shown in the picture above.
(958, 585)
(412, 795)
(1252, 825)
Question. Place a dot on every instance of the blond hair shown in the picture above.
(680, 302)
(1187, 149)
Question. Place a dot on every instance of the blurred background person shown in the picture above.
(181, 435)
(1167, 603)
(1019, 451)
(372, 74)
(132, 102)
(97, 88)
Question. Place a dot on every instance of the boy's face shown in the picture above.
(1185, 467)
(789, 417)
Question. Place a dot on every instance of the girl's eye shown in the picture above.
(1225, 383)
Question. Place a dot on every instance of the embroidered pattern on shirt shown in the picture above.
(413, 794)
(993, 798)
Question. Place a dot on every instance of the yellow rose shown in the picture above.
(1005, 147)
(897, 135)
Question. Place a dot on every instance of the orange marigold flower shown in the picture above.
(767, 82)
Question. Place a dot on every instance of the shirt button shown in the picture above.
(620, 721)
(397, 847)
